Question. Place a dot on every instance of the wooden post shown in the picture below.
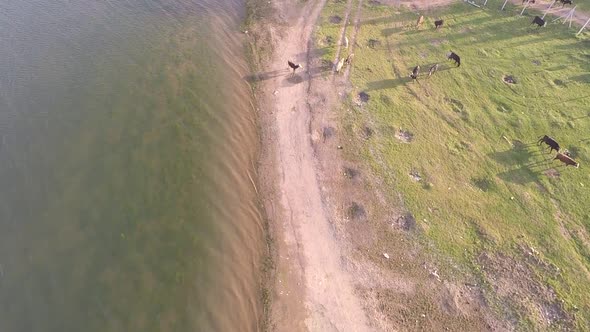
(585, 24)
(504, 5)
(548, 9)
(525, 5)
(572, 16)
(564, 16)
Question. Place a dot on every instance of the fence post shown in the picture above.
(504, 5)
(526, 5)
(548, 9)
(585, 24)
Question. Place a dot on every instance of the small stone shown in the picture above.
(385, 255)
(423, 315)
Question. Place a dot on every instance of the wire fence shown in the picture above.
(562, 14)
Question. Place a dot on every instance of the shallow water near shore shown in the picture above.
(127, 136)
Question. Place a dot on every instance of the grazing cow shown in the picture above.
(433, 69)
(538, 21)
(294, 66)
(454, 57)
(550, 142)
(567, 160)
(420, 21)
(438, 24)
(565, 2)
(349, 58)
(415, 72)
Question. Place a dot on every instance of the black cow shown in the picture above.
(538, 21)
(566, 2)
(438, 24)
(294, 66)
(433, 69)
(454, 57)
(415, 72)
(550, 142)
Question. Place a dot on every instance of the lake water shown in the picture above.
(126, 138)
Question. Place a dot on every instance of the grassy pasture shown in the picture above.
(479, 187)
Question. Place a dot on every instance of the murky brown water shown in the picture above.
(127, 134)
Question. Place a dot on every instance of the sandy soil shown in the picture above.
(327, 276)
(309, 257)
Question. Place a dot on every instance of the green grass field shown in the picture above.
(481, 190)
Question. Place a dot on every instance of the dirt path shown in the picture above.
(309, 257)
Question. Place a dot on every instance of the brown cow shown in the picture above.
(420, 21)
(567, 160)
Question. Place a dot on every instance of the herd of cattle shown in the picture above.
(564, 156)
(451, 56)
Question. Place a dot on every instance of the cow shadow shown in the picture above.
(520, 154)
(585, 78)
(293, 79)
(521, 176)
(387, 84)
(390, 31)
(259, 77)
(310, 74)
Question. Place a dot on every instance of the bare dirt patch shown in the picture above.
(328, 132)
(368, 132)
(404, 136)
(364, 97)
(335, 19)
(374, 43)
(509, 79)
(406, 222)
(518, 287)
(356, 211)
(351, 173)
(414, 175)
